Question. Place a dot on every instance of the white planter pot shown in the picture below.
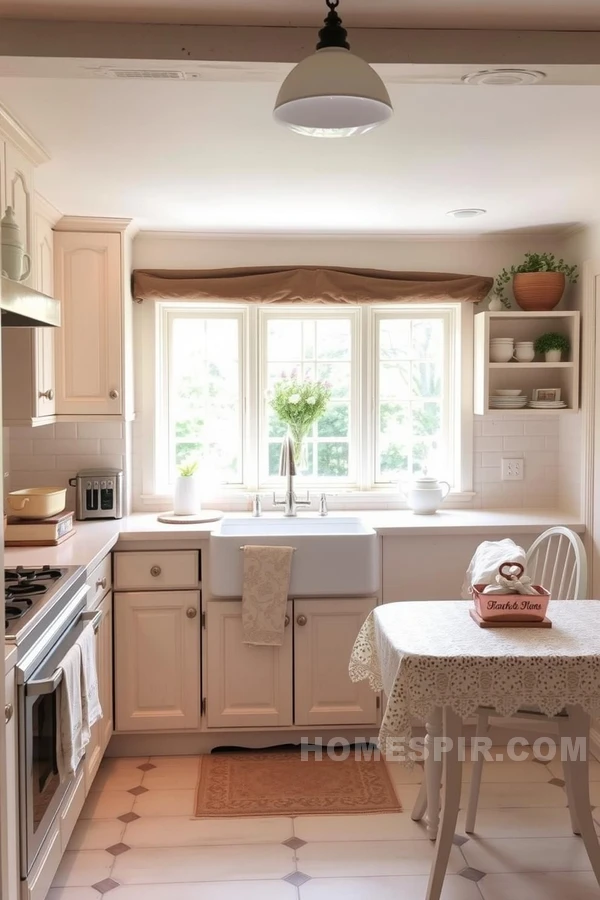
(553, 355)
(186, 499)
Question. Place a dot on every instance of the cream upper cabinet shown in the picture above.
(157, 660)
(88, 281)
(324, 635)
(9, 830)
(29, 385)
(19, 194)
(246, 686)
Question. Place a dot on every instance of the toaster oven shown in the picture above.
(99, 493)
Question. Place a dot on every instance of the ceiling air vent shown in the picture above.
(153, 74)
(504, 76)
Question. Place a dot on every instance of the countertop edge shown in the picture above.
(10, 658)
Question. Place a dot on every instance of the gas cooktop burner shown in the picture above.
(45, 573)
(22, 588)
(16, 609)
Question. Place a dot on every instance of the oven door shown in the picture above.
(41, 790)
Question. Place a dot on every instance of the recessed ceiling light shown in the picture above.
(504, 77)
(466, 213)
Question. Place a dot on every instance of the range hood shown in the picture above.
(22, 307)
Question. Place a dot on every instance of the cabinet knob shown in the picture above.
(114, 395)
(101, 583)
(49, 394)
(155, 571)
(301, 620)
(191, 612)
(286, 621)
(8, 713)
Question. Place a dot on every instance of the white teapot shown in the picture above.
(426, 494)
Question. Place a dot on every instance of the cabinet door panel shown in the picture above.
(246, 685)
(157, 660)
(88, 345)
(45, 386)
(324, 694)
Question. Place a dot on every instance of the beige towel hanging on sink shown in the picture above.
(267, 573)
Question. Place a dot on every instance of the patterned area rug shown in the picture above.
(283, 784)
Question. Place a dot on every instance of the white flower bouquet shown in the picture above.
(299, 404)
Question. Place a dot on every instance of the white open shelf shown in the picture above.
(525, 326)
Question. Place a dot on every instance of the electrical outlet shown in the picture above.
(512, 470)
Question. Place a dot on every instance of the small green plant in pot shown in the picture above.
(498, 299)
(538, 282)
(552, 345)
(186, 499)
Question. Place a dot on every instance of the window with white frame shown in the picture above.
(395, 403)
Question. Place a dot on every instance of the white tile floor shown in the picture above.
(145, 845)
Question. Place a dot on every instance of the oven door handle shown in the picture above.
(49, 685)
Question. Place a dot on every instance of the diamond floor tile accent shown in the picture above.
(472, 874)
(294, 843)
(108, 884)
(145, 767)
(138, 790)
(117, 849)
(459, 839)
(128, 817)
(297, 879)
(558, 782)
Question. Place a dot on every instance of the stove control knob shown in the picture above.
(191, 612)
(155, 571)
(8, 713)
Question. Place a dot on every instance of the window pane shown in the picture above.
(204, 396)
(317, 348)
(410, 412)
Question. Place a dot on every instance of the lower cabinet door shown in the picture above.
(246, 685)
(157, 660)
(324, 635)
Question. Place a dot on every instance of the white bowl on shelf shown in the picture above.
(506, 393)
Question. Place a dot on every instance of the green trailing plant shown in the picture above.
(552, 341)
(299, 404)
(498, 291)
(539, 262)
(187, 469)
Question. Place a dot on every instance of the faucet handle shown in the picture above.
(306, 502)
(323, 509)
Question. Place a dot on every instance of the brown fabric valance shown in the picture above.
(308, 284)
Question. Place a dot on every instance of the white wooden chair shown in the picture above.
(556, 559)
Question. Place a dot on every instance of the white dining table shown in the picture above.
(433, 662)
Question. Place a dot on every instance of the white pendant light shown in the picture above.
(332, 93)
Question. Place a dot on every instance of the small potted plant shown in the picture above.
(186, 500)
(498, 300)
(538, 282)
(552, 345)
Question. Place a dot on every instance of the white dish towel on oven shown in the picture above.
(90, 700)
(70, 745)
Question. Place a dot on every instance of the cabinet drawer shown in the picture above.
(99, 582)
(162, 570)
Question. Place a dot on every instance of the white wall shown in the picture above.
(535, 438)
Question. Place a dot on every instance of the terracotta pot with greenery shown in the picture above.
(538, 283)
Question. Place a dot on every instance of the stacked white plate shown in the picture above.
(513, 399)
(547, 404)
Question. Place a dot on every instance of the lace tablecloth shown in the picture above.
(430, 654)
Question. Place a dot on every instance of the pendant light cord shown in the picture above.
(333, 34)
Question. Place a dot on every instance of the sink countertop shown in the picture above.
(93, 540)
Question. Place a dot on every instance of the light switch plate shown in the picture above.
(512, 469)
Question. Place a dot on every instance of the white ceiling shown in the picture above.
(209, 157)
(530, 14)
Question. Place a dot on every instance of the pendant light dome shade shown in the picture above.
(332, 93)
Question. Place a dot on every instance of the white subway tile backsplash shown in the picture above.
(65, 430)
(20, 446)
(21, 463)
(491, 459)
(552, 443)
(483, 444)
(42, 432)
(537, 442)
(502, 427)
(106, 430)
(112, 446)
(542, 425)
(74, 463)
(63, 447)
(490, 474)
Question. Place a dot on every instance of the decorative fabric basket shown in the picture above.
(512, 606)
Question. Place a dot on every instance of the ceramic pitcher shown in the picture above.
(16, 264)
(425, 495)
